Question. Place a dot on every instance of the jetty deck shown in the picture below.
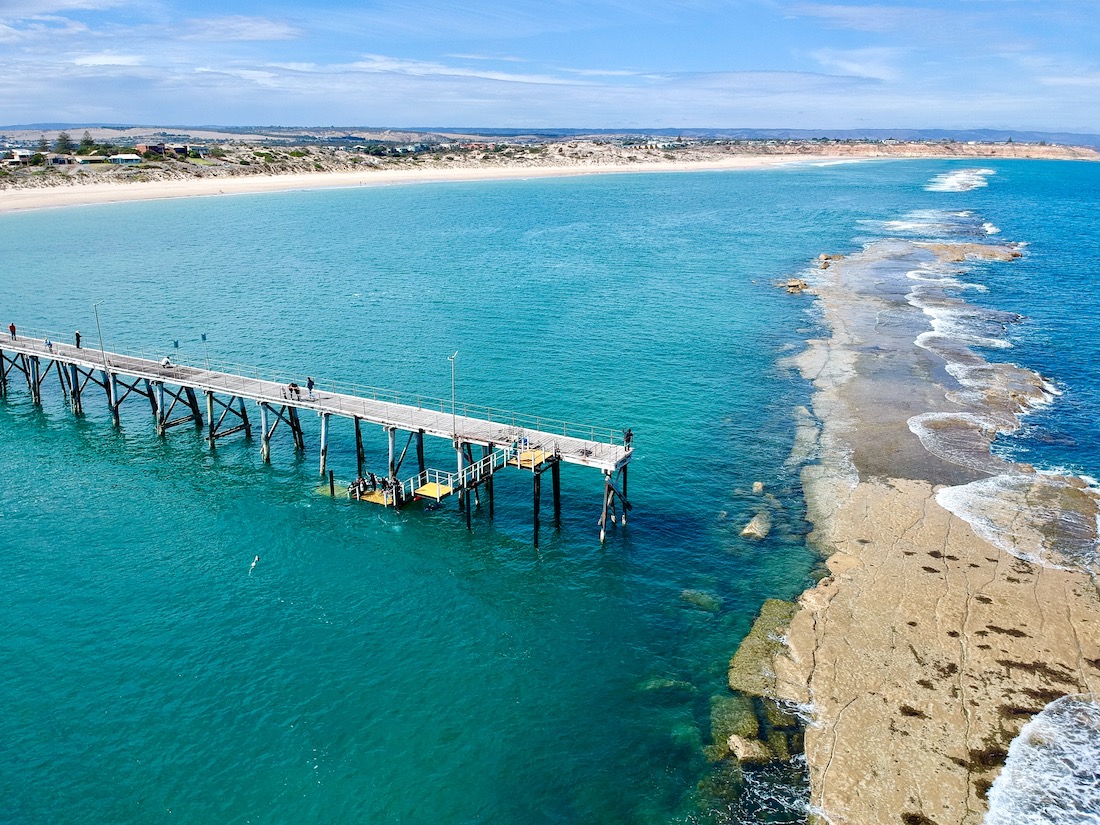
(507, 439)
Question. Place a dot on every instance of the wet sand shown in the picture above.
(927, 647)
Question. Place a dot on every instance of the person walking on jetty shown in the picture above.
(11, 329)
(309, 388)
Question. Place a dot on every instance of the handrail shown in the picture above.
(180, 358)
(460, 480)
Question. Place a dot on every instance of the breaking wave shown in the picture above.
(961, 181)
(1052, 775)
(1046, 517)
(1050, 517)
(930, 223)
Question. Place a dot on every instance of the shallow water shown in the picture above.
(390, 667)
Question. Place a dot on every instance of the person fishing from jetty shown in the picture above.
(11, 329)
(294, 390)
(166, 362)
(49, 345)
(76, 335)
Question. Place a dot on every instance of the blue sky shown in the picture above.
(1020, 64)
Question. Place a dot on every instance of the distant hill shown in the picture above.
(413, 132)
(961, 135)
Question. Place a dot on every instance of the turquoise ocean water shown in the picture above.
(392, 667)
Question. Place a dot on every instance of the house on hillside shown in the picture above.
(18, 157)
(181, 150)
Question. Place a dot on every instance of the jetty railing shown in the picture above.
(527, 442)
(182, 358)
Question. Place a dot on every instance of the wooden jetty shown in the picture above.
(217, 401)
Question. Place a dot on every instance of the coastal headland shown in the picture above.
(961, 594)
(935, 636)
(248, 164)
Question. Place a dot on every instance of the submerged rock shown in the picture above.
(779, 716)
(722, 785)
(687, 735)
(778, 745)
(758, 486)
(759, 526)
(750, 669)
(665, 684)
(732, 715)
(702, 600)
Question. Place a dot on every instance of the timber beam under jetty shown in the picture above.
(506, 439)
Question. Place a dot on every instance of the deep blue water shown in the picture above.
(1053, 207)
(383, 667)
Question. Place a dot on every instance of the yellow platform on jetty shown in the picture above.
(378, 497)
(529, 459)
(433, 489)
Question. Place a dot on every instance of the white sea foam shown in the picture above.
(962, 323)
(961, 181)
(925, 223)
(943, 278)
(961, 438)
(1052, 775)
(776, 792)
(1045, 518)
(990, 229)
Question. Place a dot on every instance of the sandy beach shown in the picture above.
(927, 647)
(19, 199)
(250, 169)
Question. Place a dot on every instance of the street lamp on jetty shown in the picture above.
(454, 416)
(99, 330)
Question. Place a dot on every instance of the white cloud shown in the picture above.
(860, 18)
(486, 57)
(239, 27)
(605, 72)
(23, 9)
(109, 59)
(381, 64)
(877, 63)
(43, 27)
(1088, 80)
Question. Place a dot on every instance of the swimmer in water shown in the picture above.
(253, 567)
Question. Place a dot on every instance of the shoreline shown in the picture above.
(927, 646)
(85, 194)
(585, 159)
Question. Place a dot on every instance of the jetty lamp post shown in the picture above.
(454, 416)
(99, 329)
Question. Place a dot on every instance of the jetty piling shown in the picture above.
(507, 439)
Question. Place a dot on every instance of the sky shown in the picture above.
(586, 64)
